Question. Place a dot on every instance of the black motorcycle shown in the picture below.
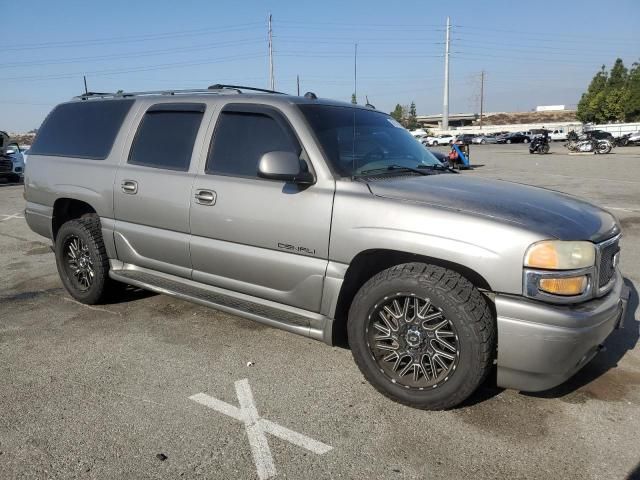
(540, 145)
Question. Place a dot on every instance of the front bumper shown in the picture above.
(541, 345)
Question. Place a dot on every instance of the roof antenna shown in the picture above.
(368, 105)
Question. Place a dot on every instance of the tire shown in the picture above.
(483, 141)
(603, 148)
(508, 141)
(453, 301)
(525, 140)
(86, 232)
(545, 149)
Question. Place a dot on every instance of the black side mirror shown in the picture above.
(286, 166)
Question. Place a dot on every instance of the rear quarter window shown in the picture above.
(84, 129)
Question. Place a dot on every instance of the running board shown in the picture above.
(291, 319)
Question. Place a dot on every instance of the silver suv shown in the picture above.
(328, 220)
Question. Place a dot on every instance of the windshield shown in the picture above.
(356, 140)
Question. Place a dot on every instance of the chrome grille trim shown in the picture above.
(606, 253)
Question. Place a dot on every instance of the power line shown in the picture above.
(144, 53)
(133, 38)
(137, 69)
(556, 35)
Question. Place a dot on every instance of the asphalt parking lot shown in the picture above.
(104, 392)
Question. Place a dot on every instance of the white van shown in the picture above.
(558, 134)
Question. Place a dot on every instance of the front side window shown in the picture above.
(356, 140)
(243, 135)
(166, 136)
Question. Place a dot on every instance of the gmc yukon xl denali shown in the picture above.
(328, 220)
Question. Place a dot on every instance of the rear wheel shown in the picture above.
(526, 140)
(82, 260)
(422, 335)
(508, 141)
(603, 147)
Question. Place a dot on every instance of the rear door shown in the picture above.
(265, 238)
(153, 187)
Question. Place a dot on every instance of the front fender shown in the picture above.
(491, 248)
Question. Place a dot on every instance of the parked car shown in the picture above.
(600, 135)
(13, 153)
(484, 139)
(443, 140)
(342, 225)
(517, 137)
(558, 134)
(465, 138)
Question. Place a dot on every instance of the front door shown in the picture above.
(265, 238)
(153, 187)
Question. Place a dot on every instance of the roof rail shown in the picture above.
(219, 86)
(212, 90)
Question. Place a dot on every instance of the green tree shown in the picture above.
(590, 103)
(398, 113)
(412, 120)
(616, 92)
(632, 107)
(354, 100)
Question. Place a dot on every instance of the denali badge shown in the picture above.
(293, 248)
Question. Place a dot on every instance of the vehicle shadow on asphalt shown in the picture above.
(128, 293)
(617, 345)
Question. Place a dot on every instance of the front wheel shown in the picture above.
(508, 141)
(544, 149)
(422, 335)
(82, 260)
(526, 140)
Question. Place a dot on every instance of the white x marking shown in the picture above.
(9, 217)
(256, 428)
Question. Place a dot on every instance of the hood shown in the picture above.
(552, 213)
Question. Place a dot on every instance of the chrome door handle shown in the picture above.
(206, 197)
(129, 186)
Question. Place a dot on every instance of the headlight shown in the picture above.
(560, 255)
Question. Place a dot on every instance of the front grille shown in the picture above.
(6, 165)
(607, 266)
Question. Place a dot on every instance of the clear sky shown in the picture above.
(533, 53)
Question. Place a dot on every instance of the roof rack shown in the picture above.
(212, 90)
(219, 86)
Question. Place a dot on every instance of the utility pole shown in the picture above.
(298, 83)
(481, 96)
(355, 72)
(272, 83)
(85, 84)
(445, 102)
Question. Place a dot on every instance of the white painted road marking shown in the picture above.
(256, 428)
(630, 210)
(9, 217)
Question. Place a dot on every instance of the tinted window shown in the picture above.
(355, 139)
(242, 137)
(84, 129)
(166, 136)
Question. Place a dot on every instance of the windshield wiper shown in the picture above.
(393, 167)
(439, 166)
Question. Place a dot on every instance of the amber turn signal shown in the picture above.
(564, 286)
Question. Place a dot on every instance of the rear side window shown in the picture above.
(84, 129)
(243, 135)
(166, 136)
